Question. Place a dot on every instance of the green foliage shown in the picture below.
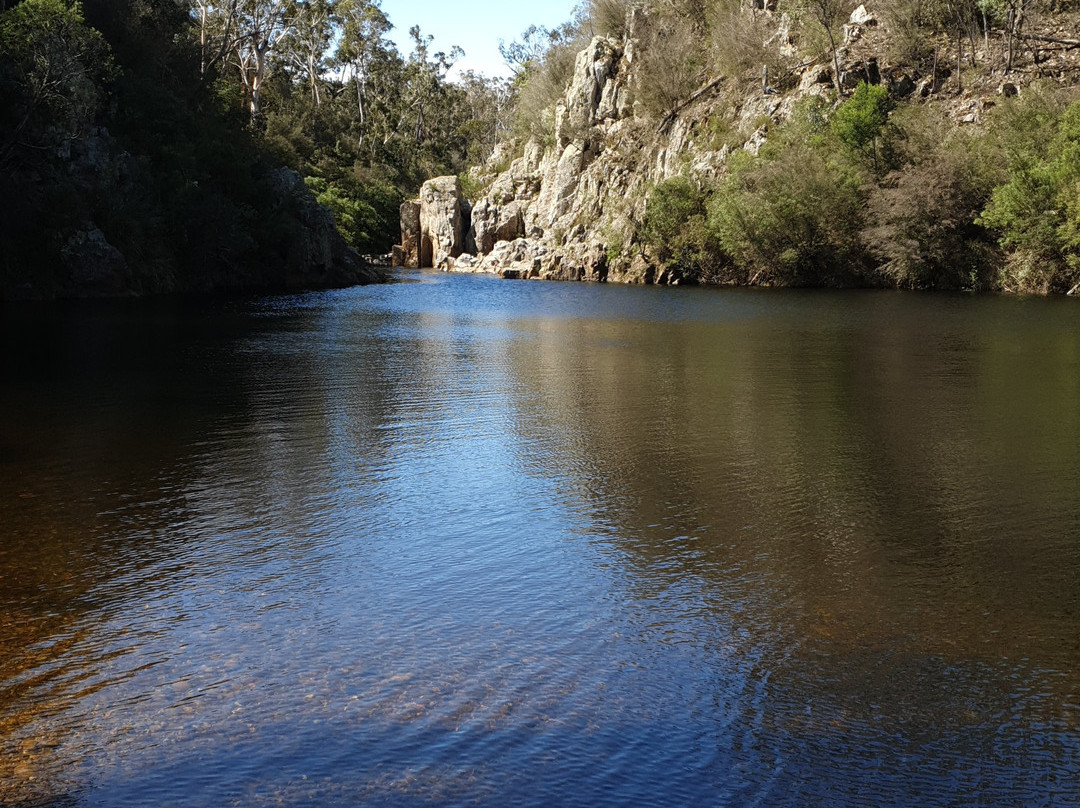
(669, 207)
(674, 225)
(790, 218)
(54, 79)
(360, 211)
(1037, 210)
(860, 124)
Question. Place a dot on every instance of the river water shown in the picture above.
(456, 541)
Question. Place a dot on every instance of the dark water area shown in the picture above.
(460, 541)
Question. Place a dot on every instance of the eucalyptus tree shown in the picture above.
(489, 103)
(261, 27)
(426, 84)
(307, 42)
(363, 46)
(216, 22)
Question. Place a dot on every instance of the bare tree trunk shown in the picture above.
(257, 82)
(202, 39)
(1009, 34)
(959, 59)
(835, 60)
(360, 100)
(313, 78)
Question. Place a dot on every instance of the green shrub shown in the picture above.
(366, 214)
(674, 228)
(1036, 211)
(860, 124)
(790, 218)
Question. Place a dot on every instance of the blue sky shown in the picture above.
(475, 25)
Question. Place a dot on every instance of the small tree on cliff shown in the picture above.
(830, 16)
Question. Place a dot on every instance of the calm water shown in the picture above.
(458, 540)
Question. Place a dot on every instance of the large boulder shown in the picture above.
(410, 235)
(592, 95)
(493, 223)
(95, 267)
(442, 223)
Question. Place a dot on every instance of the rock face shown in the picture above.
(492, 223)
(316, 256)
(569, 210)
(94, 265)
(442, 221)
(410, 236)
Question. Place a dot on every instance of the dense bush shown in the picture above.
(791, 215)
(861, 125)
(1036, 210)
(790, 218)
(922, 227)
(674, 228)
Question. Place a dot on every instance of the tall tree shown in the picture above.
(307, 42)
(362, 46)
(216, 23)
(426, 76)
(262, 25)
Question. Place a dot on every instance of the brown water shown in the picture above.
(461, 541)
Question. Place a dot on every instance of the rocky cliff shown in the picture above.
(110, 236)
(571, 208)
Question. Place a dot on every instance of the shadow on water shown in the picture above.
(140, 451)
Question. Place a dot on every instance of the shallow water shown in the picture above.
(457, 540)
